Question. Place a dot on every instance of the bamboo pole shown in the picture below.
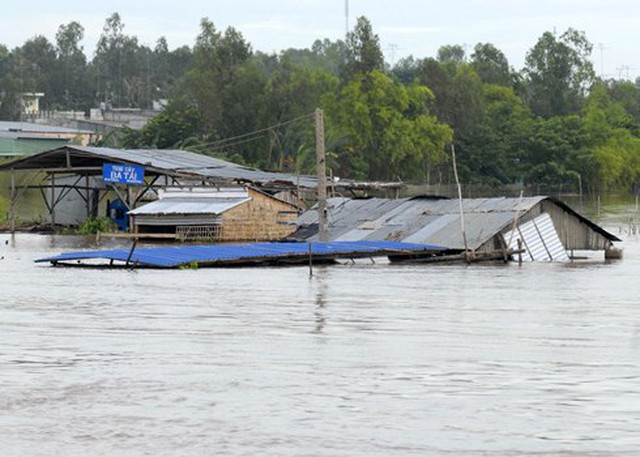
(323, 226)
(455, 174)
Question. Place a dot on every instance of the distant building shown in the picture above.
(31, 103)
(26, 138)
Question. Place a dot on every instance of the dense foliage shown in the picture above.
(552, 123)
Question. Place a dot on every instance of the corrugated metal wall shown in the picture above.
(573, 233)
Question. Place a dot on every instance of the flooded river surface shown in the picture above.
(358, 360)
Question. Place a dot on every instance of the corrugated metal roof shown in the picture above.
(200, 164)
(224, 255)
(165, 161)
(420, 220)
(189, 205)
(31, 127)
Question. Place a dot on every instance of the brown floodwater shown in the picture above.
(364, 359)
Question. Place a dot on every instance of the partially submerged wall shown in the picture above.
(263, 218)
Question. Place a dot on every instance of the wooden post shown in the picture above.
(53, 200)
(519, 252)
(12, 203)
(87, 194)
(323, 226)
(133, 248)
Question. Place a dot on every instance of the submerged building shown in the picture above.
(545, 227)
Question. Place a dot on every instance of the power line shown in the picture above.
(227, 142)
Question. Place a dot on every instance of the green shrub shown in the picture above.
(95, 225)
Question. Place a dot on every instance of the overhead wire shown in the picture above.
(251, 136)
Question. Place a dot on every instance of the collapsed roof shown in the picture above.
(436, 221)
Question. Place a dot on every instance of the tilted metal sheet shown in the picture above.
(540, 239)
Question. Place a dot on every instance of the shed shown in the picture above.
(490, 224)
(71, 169)
(218, 214)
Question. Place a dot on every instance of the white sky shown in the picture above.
(417, 27)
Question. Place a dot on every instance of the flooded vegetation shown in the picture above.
(364, 359)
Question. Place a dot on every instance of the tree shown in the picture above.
(176, 126)
(451, 53)
(294, 91)
(491, 64)
(9, 86)
(614, 150)
(363, 53)
(628, 95)
(381, 129)
(492, 152)
(558, 73)
(457, 89)
(117, 61)
(71, 77)
(406, 70)
(228, 89)
(554, 151)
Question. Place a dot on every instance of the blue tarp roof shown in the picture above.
(221, 255)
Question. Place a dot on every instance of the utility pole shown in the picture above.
(392, 51)
(323, 226)
(346, 17)
(602, 47)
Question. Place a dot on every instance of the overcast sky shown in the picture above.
(416, 27)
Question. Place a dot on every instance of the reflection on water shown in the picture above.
(356, 360)
(321, 278)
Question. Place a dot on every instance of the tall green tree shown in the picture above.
(71, 76)
(228, 88)
(614, 150)
(294, 91)
(10, 86)
(363, 52)
(383, 130)
(558, 73)
(493, 152)
(491, 64)
(116, 60)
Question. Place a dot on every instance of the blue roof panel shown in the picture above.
(175, 256)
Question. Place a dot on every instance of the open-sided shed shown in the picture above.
(77, 170)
